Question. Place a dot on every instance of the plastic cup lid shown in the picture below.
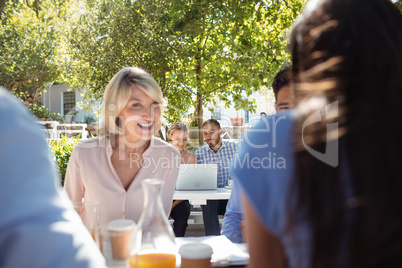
(120, 225)
(195, 251)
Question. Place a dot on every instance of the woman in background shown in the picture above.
(178, 134)
(335, 200)
(109, 169)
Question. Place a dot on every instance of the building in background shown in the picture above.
(229, 117)
(61, 99)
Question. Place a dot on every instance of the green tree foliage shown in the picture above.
(29, 37)
(197, 50)
(61, 150)
(398, 3)
(41, 112)
(108, 36)
(227, 49)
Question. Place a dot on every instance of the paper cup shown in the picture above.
(120, 233)
(195, 255)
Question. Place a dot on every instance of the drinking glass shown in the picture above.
(89, 213)
(155, 245)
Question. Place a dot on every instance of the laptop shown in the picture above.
(197, 177)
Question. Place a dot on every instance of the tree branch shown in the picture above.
(36, 96)
(287, 4)
(219, 55)
(164, 77)
(187, 88)
(2, 6)
(202, 67)
(35, 7)
(17, 83)
(216, 89)
(27, 3)
(176, 50)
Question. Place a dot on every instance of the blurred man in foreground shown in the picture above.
(233, 223)
(38, 225)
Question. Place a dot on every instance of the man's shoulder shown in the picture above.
(278, 126)
(230, 144)
(201, 150)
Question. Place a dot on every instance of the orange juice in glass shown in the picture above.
(92, 234)
(155, 242)
(153, 260)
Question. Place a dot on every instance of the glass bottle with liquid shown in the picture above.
(155, 245)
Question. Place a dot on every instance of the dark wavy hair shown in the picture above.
(347, 64)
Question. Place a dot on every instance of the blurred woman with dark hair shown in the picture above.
(335, 200)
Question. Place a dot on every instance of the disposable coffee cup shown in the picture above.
(195, 255)
(120, 233)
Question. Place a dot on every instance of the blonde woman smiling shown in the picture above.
(109, 169)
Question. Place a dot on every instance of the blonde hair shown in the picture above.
(117, 94)
(177, 126)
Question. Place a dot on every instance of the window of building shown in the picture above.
(69, 101)
(246, 116)
(217, 114)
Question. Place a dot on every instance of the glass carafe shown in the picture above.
(155, 244)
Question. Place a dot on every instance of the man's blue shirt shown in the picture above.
(222, 158)
(233, 216)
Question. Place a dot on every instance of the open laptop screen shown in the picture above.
(197, 177)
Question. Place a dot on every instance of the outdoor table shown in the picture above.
(226, 253)
(200, 197)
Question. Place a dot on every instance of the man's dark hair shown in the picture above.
(281, 79)
(212, 121)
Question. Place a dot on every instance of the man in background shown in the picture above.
(218, 152)
(233, 224)
(284, 95)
